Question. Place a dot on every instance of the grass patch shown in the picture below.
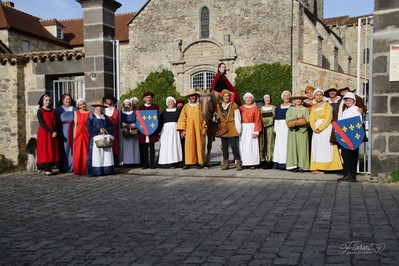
(6, 165)
(395, 176)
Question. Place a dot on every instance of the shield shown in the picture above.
(147, 121)
(349, 132)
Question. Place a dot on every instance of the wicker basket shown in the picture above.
(104, 141)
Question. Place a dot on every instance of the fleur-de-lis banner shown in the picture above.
(349, 132)
(147, 121)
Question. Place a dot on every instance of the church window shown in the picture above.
(205, 22)
(335, 58)
(25, 46)
(202, 80)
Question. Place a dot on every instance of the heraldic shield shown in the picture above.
(349, 132)
(147, 121)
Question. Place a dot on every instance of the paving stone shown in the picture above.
(168, 217)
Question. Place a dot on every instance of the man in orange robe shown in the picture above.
(193, 128)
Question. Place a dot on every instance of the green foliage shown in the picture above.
(6, 165)
(395, 176)
(264, 79)
(160, 83)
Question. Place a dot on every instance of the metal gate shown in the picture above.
(76, 88)
(364, 86)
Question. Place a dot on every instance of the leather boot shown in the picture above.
(239, 165)
(351, 178)
(226, 165)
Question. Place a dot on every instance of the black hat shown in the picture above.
(109, 96)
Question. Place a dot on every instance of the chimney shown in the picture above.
(9, 4)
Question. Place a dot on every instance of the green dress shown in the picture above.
(298, 141)
(267, 138)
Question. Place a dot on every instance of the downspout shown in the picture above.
(370, 96)
(292, 31)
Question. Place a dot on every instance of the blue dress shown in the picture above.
(65, 135)
(130, 148)
(100, 161)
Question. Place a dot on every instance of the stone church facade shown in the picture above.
(186, 37)
(192, 37)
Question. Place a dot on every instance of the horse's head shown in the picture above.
(208, 104)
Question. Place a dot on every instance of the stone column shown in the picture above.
(385, 97)
(99, 30)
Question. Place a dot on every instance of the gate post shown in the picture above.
(99, 30)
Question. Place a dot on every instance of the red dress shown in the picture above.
(81, 144)
(48, 154)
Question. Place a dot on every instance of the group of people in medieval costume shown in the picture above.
(304, 134)
(66, 134)
(295, 135)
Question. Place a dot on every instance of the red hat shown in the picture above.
(148, 93)
(180, 101)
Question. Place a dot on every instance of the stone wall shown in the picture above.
(317, 7)
(242, 32)
(385, 117)
(349, 36)
(320, 77)
(35, 86)
(14, 42)
(10, 127)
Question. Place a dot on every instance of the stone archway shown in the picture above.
(200, 55)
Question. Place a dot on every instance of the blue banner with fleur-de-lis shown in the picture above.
(349, 132)
(147, 121)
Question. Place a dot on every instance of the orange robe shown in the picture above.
(190, 120)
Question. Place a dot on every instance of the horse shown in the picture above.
(208, 102)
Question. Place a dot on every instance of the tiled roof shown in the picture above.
(343, 20)
(73, 31)
(354, 20)
(335, 21)
(122, 26)
(59, 55)
(16, 20)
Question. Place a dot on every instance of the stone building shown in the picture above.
(185, 36)
(191, 38)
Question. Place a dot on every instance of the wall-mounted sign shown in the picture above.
(394, 63)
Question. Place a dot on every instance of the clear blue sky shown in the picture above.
(65, 9)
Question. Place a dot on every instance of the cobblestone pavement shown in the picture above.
(173, 217)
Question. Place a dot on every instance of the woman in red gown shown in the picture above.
(47, 142)
(220, 82)
(81, 138)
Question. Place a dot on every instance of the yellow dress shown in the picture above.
(324, 155)
(190, 120)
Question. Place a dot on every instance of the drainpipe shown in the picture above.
(370, 98)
